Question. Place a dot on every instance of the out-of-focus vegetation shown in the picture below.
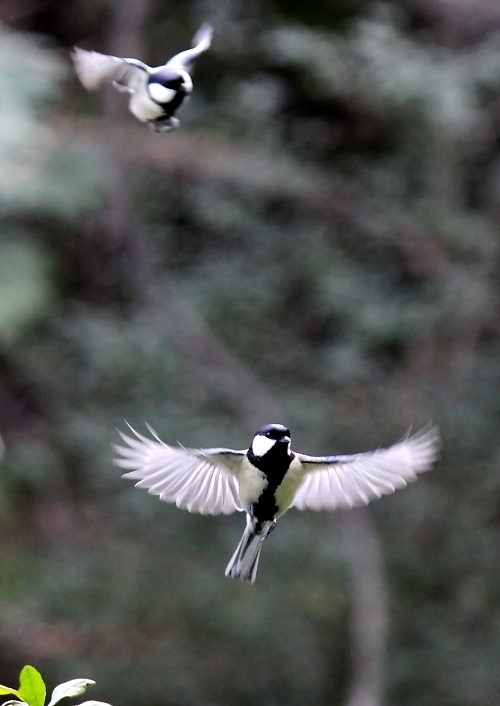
(318, 242)
(33, 691)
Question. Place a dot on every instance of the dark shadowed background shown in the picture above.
(317, 245)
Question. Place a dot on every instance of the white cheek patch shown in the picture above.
(186, 78)
(261, 445)
(160, 94)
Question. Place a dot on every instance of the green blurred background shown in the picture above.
(317, 245)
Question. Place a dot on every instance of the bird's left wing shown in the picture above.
(201, 42)
(95, 69)
(198, 480)
(333, 482)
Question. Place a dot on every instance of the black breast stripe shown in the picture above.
(171, 106)
(275, 465)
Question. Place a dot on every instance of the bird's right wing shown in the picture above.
(201, 42)
(198, 480)
(333, 482)
(95, 69)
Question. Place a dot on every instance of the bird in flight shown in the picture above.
(155, 94)
(269, 478)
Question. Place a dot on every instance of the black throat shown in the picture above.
(274, 464)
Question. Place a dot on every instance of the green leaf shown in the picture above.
(7, 690)
(75, 687)
(32, 687)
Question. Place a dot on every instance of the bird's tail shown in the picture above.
(245, 560)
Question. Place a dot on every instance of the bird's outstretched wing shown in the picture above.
(198, 480)
(201, 42)
(95, 69)
(333, 482)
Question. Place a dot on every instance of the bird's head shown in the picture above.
(269, 437)
(163, 85)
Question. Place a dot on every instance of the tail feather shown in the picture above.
(245, 560)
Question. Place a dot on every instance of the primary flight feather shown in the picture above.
(269, 478)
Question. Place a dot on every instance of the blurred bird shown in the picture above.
(269, 478)
(155, 93)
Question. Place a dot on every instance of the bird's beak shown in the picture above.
(285, 439)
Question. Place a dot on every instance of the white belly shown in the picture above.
(143, 107)
(285, 492)
(252, 482)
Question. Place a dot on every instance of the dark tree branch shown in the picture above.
(368, 604)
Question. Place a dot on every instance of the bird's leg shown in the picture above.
(269, 530)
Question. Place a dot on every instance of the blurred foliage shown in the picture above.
(32, 690)
(342, 244)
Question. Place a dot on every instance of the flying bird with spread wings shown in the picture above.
(269, 478)
(155, 94)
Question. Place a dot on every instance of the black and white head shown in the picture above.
(168, 86)
(269, 437)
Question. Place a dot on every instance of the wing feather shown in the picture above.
(332, 482)
(198, 480)
(201, 42)
(95, 69)
(200, 489)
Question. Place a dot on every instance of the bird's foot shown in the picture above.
(164, 124)
(269, 530)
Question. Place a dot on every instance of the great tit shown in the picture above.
(155, 93)
(269, 478)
